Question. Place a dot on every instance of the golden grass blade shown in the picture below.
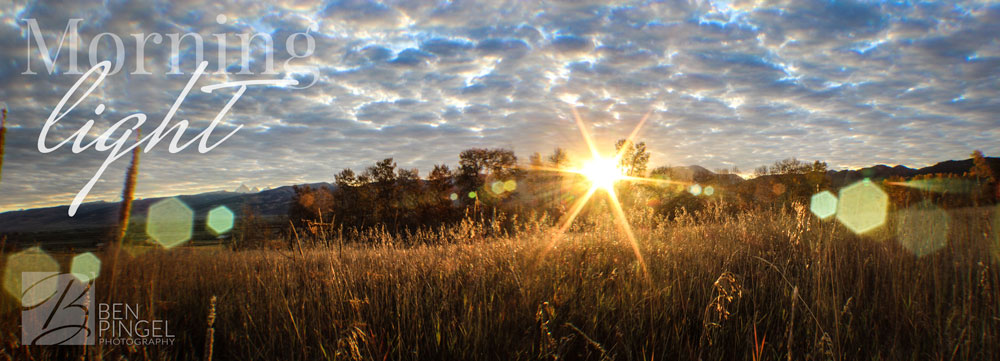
(128, 192)
(3, 135)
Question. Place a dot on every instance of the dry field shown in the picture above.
(751, 285)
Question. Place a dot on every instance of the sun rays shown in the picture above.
(602, 175)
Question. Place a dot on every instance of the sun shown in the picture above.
(602, 173)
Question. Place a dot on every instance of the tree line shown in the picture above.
(386, 195)
(489, 184)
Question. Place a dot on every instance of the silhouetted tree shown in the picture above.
(408, 199)
(383, 172)
(981, 168)
(347, 178)
(439, 181)
(987, 189)
(786, 181)
(310, 204)
(559, 159)
(250, 231)
(479, 165)
(760, 171)
(634, 157)
(352, 204)
(383, 182)
(393, 197)
(535, 161)
(440, 187)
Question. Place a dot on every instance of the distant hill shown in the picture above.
(697, 174)
(881, 171)
(94, 220)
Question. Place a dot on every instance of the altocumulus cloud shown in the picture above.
(729, 83)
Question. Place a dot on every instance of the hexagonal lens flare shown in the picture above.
(30, 260)
(695, 189)
(823, 204)
(85, 267)
(170, 222)
(862, 207)
(923, 228)
(220, 220)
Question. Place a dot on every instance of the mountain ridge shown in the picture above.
(102, 214)
(882, 171)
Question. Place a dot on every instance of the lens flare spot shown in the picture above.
(472, 194)
(30, 261)
(709, 191)
(85, 267)
(170, 222)
(823, 204)
(220, 220)
(695, 189)
(496, 187)
(862, 207)
(453, 196)
(923, 228)
(510, 185)
(940, 185)
(137, 249)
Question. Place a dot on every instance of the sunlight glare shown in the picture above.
(602, 172)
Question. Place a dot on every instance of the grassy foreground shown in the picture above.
(778, 285)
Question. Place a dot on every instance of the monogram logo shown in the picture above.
(57, 309)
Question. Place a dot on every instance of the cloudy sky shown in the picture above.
(729, 83)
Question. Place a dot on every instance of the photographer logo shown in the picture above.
(60, 309)
(56, 309)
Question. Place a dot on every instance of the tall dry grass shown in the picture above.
(754, 285)
(128, 191)
(3, 137)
